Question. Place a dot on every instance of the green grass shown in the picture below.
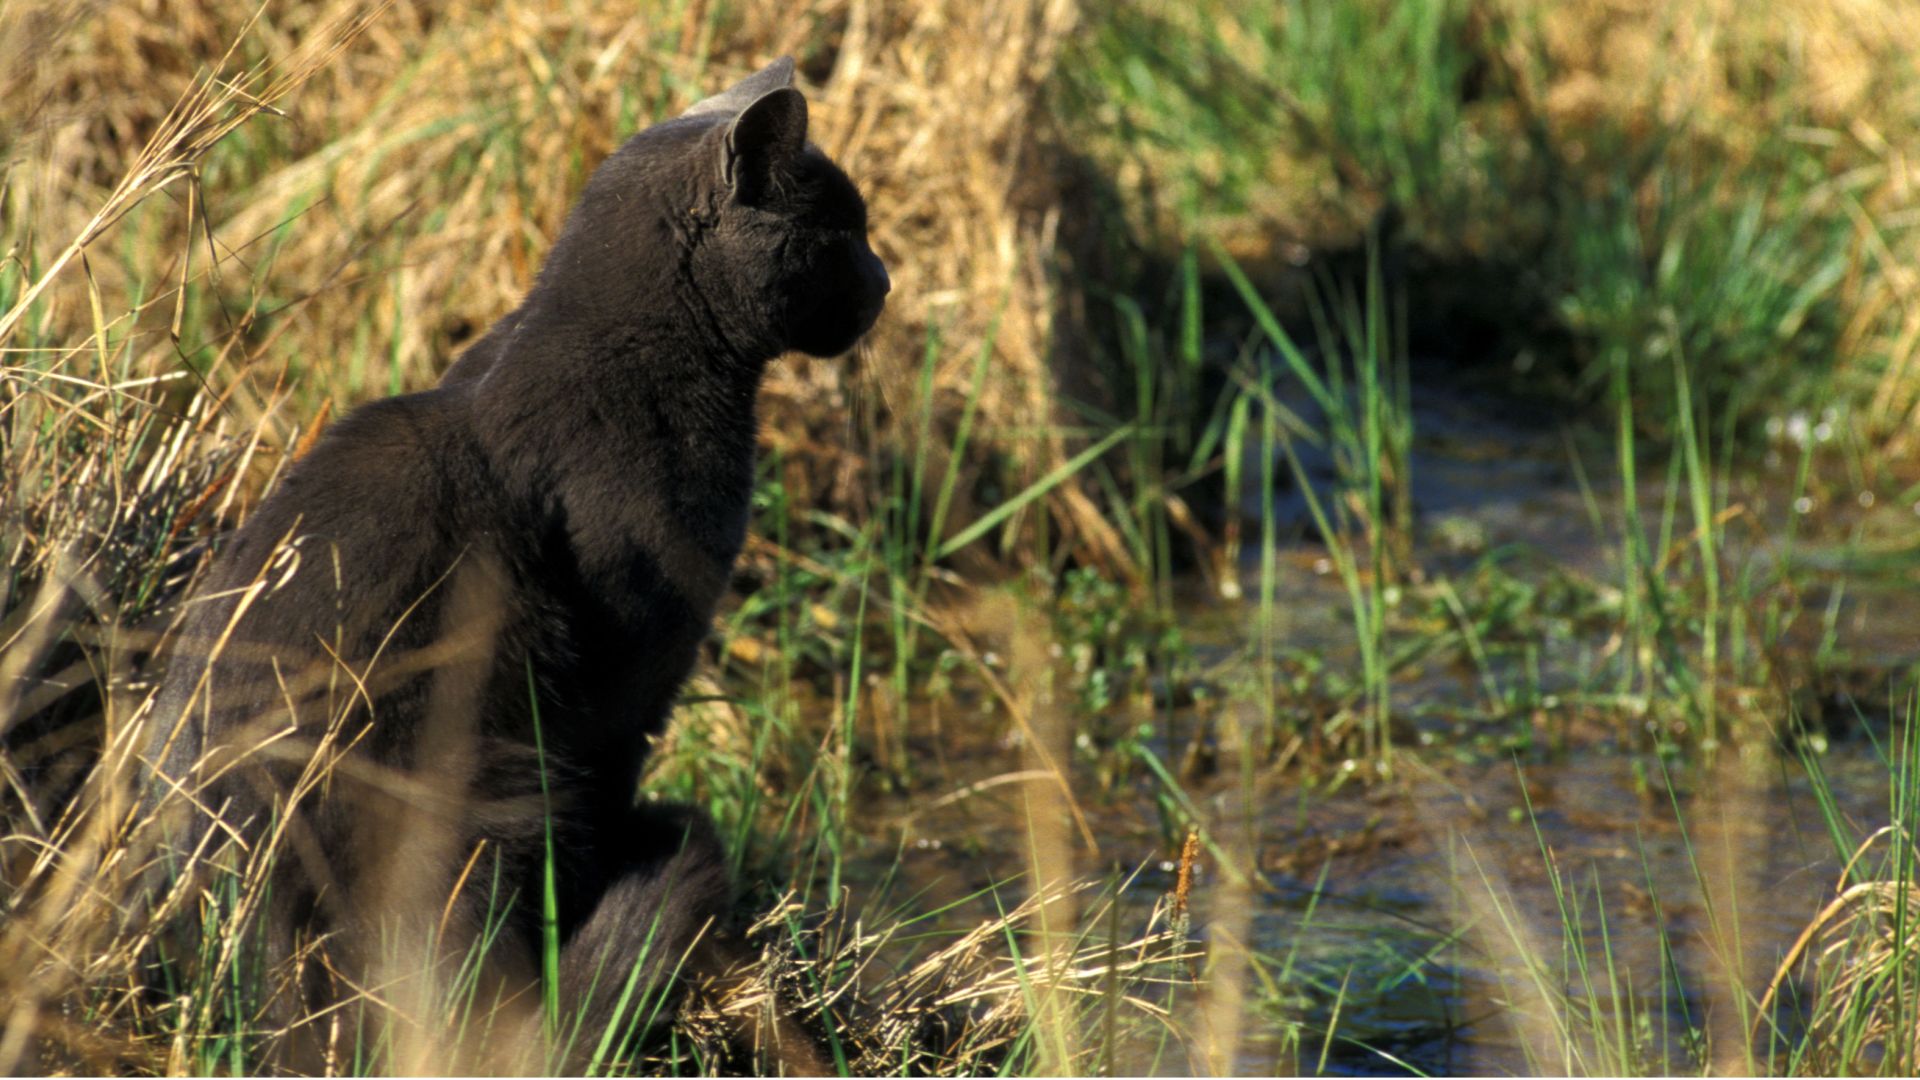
(1627, 231)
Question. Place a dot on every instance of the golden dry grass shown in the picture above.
(1861, 944)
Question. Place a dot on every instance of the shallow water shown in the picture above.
(1403, 902)
(1411, 864)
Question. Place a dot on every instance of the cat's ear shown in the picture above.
(734, 99)
(763, 140)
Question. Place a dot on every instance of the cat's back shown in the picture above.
(385, 489)
(339, 562)
(354, 537)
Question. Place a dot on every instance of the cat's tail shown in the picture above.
(659, 926)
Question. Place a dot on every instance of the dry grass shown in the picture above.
(966, 1005)
(1861, 952)
(77, 992)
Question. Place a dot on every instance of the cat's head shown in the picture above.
(783, 209)
(771, 233)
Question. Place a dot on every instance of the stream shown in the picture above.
(1405, 903)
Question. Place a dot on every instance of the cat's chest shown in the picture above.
(651, 541)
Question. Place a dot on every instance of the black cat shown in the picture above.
(474, 605)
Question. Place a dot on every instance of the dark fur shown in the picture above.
(554, 523)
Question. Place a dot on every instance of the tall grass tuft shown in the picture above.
(1579, 179)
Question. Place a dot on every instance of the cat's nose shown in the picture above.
(877, 270)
